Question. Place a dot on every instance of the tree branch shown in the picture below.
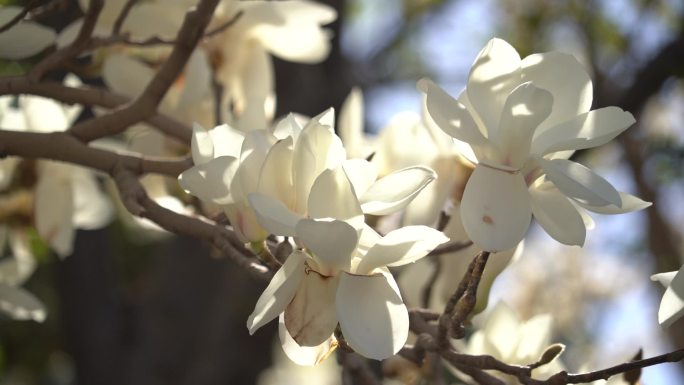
(145, 105)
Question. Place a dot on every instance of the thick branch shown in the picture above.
(90, 96)
(145, 105)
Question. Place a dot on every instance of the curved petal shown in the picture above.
(557, 215)
(290, 30)
(196, 78)
(373, 318)
(400, 247)
(495, 209)
(525, 108)
(361, 173)
(350, 125)
(202, 145)
(501, 332)
(332, 242)
(316, 149)
(227, 141)
(92, 207)
(310, 317)
(126, 75)
(54, 207)
(210, 181)
(396, 190)
(672, 304)
(450, 115)
(279, 291)
(304, 355)
(591, 129)
(19, 304)
(664, 279)
(579, 182)
(629, 203)
(332, 196)
(563, 76)
(275, 177)
(25, 38)
(495, 73)
(273, 215)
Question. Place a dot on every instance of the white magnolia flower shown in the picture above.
(16, 302)
(66, 197)
(507, 338)
(240, 55)
(672, 304)
(25, 38)
(342, 276)
(522, 119)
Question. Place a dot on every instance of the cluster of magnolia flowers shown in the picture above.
(493, 157)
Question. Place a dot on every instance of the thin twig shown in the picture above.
(20, 16)
(146, 104)
(116, 29)
(75, 48)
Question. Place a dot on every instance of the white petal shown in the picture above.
(252, 89)
(495, 209)
(245, 223)
(664, 279)
(17, 269)
(290, 30)
(396, 190)
(255, 148)
(92, 207)
(535, 336)
(332, 196)
(54, 210)
(400, 247)
(167, 20)
(373, 318)
(304, 355)
(275, 179)
(202, 145)
(332, 242)
(350, 125)
(672, 304)
(20, 304)
(427, 205)
(579, 182)
(43, 114)
(126, 75)
(449, 114)
(310, 317)
(501, 331)
(591, 129)
(361, 173)
(227, 141)
(557, 215)
(525, 108)
(316, 149)
(210, 181)
(25, 38)
(629, 203)
(279, 292)
(563, 76)
(273, 215)
(495, 73)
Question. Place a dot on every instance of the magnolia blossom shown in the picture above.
(513, 341)
(24, 39)
(65, 197)
(521, 120)
(672, 304)
(341, 275)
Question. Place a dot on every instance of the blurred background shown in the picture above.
(131, 309)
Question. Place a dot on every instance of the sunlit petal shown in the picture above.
(373, 318)
(581, 183)
(557, 215)
(396, 190)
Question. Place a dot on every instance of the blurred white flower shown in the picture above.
(522, 119)
(513, 341)
(25, 38)
(285, 372)
(452, 268)
(66, 197)
(16, 302)
(672, 304)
